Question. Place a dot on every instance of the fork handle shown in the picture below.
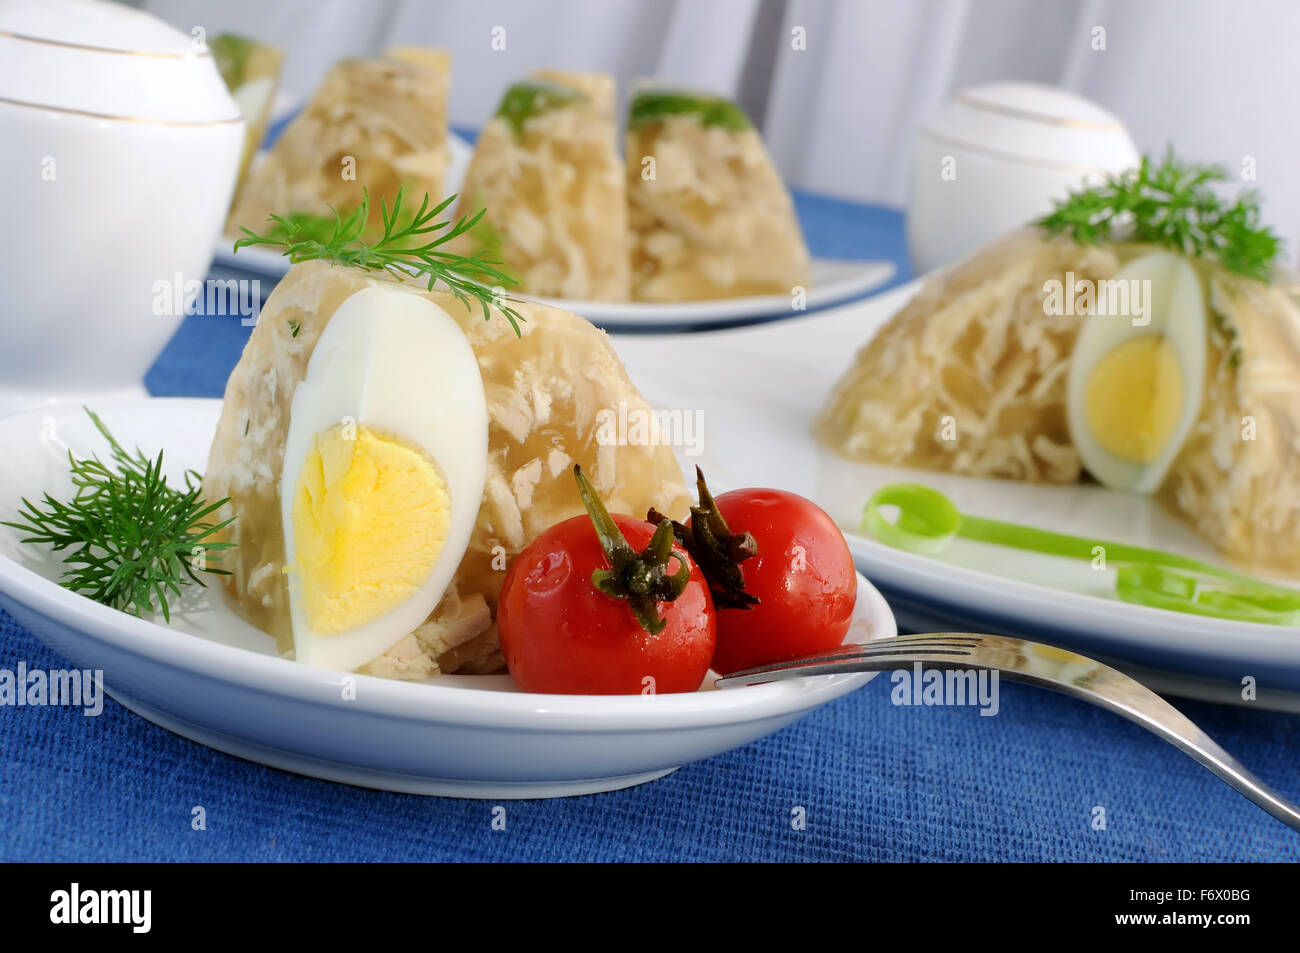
(1046, 666)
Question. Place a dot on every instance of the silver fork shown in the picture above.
(1037, 664)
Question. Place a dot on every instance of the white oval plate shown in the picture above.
(833, 282)
(211, 677)
(758, 390)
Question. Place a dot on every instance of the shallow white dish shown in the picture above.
(833, 282)
(213, 678)
(758, 390)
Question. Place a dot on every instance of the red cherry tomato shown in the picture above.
(803, 576)
(561, 635)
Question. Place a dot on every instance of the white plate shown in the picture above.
(832, 282)
(213, 678)
(758, 390)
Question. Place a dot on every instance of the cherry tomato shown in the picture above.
(561, 635)
(803, 576)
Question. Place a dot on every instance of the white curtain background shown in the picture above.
(1220, 79)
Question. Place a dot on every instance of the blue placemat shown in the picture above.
(877, 782)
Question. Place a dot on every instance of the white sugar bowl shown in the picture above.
(996, 157)
(120, 150)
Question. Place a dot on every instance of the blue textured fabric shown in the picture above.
(877, 782)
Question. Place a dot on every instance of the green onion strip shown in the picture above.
(927, 522)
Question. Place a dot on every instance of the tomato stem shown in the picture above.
(641, 579)
(715, 548)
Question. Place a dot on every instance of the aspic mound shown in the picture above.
(544, 389)
(712, 218)
(973, 377)
(373, 125)
(973, 345)
(546, 170)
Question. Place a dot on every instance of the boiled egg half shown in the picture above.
(384, 466)
(1137, 372)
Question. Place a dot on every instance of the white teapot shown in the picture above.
(119, 146)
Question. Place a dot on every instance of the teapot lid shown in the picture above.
(110, 61)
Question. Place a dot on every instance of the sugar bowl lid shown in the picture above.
(1030, 122)
(109, 61)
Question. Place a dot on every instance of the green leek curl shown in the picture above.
(927, 522)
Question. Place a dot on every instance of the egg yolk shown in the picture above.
(1134, 398)
(369, 516)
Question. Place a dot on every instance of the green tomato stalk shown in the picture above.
(715, 548)
(641, 579)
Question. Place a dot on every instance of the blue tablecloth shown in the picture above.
(877, 782)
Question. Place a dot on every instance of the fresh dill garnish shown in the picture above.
(490, 240)
(131, 537)
(407, 246)
(1171, 204)
(301, 226)
(308, 226)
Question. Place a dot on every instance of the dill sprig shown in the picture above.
(1171, 204)
(308, 226)
(300, 227)
(408, 245)
(130, 536)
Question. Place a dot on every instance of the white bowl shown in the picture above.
(213, 678)
(120, 152)
(996, 157)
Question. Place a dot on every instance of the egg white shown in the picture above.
(395, 362)
(1176, 309)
